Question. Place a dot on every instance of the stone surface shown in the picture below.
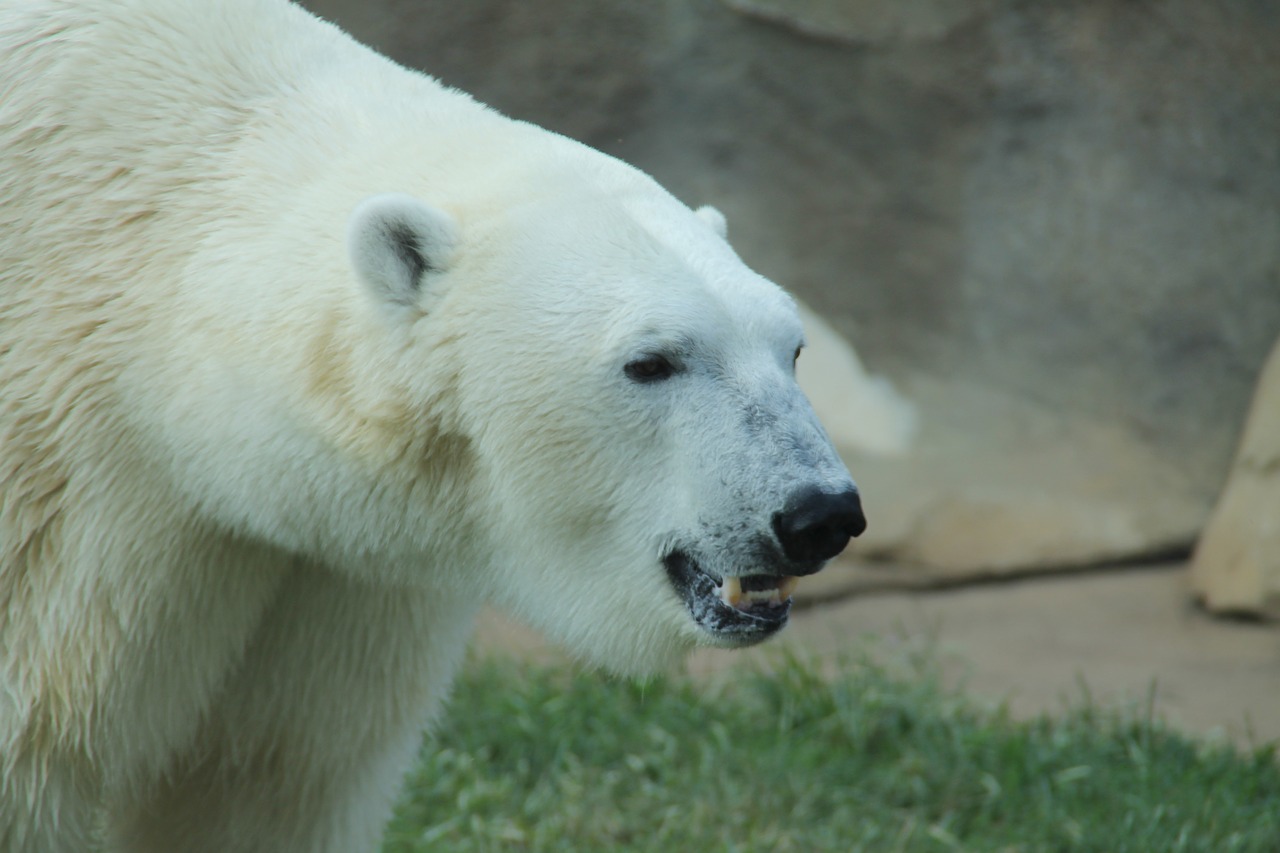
(1051, 225)
(1126, 639)
(1005, 484)
(862, 413)
(864, 21)
(1236, 567)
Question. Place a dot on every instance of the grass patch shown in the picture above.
(871, 760)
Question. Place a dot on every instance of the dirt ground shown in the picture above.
(1124, 635)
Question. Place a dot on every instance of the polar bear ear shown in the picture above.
(715, 219)
(395, 242)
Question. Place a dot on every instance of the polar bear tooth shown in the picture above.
(787, 586)
(761, 596)
(731, 591)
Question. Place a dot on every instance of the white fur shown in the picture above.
(861, 412)
(255, 480)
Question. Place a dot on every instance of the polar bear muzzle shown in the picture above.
(740, 610)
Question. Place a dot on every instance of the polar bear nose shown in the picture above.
(817, 525)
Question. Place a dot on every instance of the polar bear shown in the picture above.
(304, 357)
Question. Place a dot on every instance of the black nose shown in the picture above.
(817, 525)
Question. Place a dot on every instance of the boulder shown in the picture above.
(1236, 566)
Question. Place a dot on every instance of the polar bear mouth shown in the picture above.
(737, 610)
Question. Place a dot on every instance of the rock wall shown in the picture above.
(1053, 225)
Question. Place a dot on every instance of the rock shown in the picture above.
(864, 21)
(1236, 566)
(1002, 486)
(862, 413)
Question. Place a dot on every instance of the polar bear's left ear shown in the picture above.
(715, 219)
(395, 243)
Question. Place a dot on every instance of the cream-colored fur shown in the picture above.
(267, 445)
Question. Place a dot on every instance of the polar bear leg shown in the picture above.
(307, 748)
(287, 805)
(59, 818)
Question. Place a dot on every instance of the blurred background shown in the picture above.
(1049, 232)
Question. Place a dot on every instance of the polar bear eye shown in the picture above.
(796, 357)
(651, 368)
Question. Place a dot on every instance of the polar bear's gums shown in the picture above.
(303, 358)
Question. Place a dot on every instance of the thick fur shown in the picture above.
(256, 479)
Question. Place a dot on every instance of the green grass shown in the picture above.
(870, 760)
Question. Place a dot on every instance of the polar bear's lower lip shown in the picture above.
(736, 610)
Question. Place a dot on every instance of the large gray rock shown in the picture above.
(1053, 225)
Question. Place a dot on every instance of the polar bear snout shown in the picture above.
(817, 525)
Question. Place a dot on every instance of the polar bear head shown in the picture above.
(646, 475)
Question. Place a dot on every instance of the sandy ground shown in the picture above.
(1124, 635)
